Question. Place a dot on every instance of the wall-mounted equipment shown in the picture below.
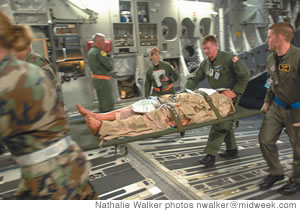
(188, 28)
(148, 34)
(33, 12)
(40, 46)
(205, 26)
(190, 53)
(125, 11)
(125, 74)
(123, 37)
(67, 51)
(169, 28)
(143, 12)
(189, 45)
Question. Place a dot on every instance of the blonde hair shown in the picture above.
(154, 50)
(209, 38)
(283, 28)
(16, 37)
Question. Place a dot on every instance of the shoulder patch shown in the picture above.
(235, 59)
(103, 53)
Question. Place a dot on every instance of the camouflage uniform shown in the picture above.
(167, 87)
(188, 107)
(227, 71)
(44, 64)
(32, 118)
(285, 87)
(101, 66)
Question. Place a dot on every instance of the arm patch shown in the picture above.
(235, 59)
(103, 53)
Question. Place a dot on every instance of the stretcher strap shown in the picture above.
(211, 104)
(240, 113)
(176, 118)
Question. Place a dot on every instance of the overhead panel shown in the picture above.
(33, 12)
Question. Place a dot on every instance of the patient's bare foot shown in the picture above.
(185, 122)
(93, 124)
(296, 124)
(84, 112)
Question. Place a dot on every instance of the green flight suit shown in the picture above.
(226, 71)
(167, 87)
(285, 85)
(45, 64)
(101, 65)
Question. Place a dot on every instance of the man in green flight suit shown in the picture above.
(160, 75)
(282, 107)
(223, 70)
(101, 65)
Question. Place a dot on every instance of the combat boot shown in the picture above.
(2, 149)
(269, 181)
(208, 160)
(229, 153)
(290, 188)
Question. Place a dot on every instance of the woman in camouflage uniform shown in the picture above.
(34, 128)
(30, 56)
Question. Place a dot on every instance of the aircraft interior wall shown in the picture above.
(63, 29)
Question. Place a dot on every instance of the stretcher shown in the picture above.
(240, 113)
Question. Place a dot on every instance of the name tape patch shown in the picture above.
(285, 67)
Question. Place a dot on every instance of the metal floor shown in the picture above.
(167, 167)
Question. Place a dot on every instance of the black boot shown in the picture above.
(208, 160)
(269, 181)
(290, 188)
(2, 149)
(229, 153)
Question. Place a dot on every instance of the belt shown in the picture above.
(101, 77)
(287, 106)
(44, 154)
(163, 90)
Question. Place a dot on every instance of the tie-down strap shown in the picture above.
(211, 104)
(176, 118)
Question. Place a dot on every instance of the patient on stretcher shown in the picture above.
(190, 108)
